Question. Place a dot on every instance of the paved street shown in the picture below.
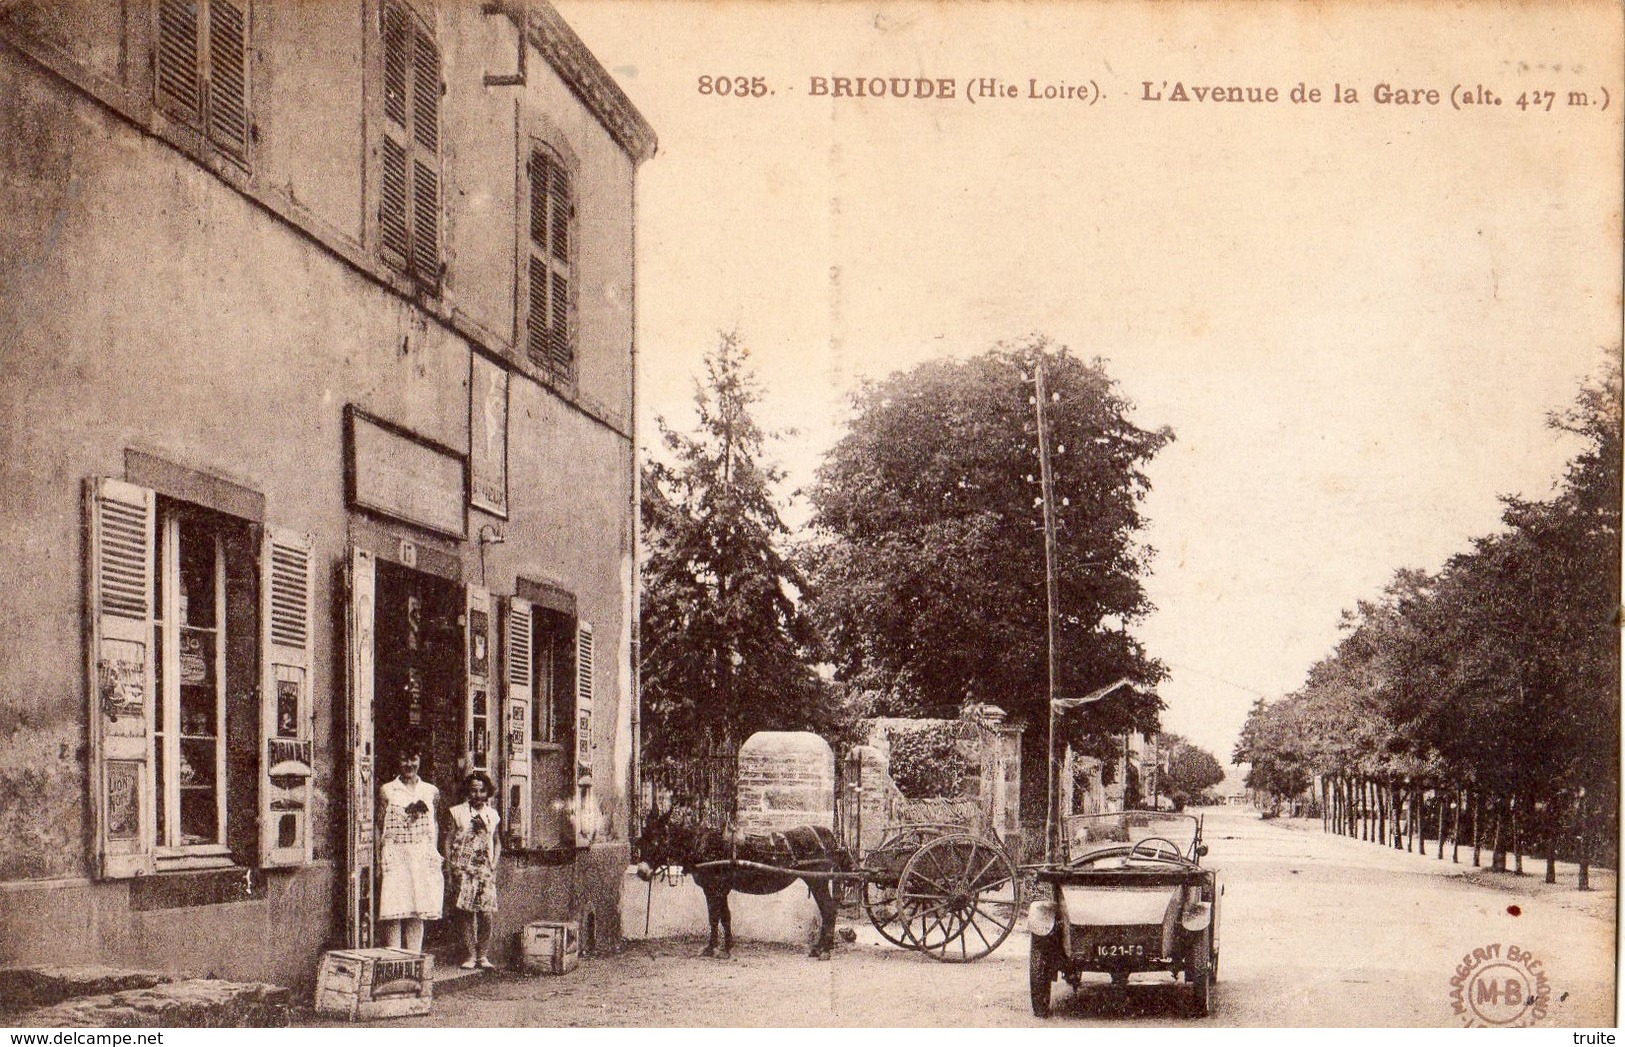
(1316, 930)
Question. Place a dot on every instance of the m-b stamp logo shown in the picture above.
(1500, 985)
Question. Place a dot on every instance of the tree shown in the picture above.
(1191, 772)
(1492, 685)
(1272, 742)
(929, 558)
(727, 649)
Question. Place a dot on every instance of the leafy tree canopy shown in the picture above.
(1192, 771)
(1500, 672)
(929, 555)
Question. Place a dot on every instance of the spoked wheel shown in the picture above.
(880, 905)
(879, 895)
(958, 898)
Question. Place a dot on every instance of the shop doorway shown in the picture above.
(420, 670)
(418, 674)
(418, 688)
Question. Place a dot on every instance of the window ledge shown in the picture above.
(193, 859)
(175, 887)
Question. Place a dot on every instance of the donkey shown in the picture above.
(667, 841)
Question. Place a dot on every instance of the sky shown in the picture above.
(1354, 316)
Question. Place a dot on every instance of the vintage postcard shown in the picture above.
(821, 513)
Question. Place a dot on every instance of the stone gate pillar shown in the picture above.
(1001, 773)
(785, 779)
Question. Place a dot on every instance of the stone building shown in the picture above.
(317, 329)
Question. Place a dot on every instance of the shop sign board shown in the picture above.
(404, 476)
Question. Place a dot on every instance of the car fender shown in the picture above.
(1197, 917)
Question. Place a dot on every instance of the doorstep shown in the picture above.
(454, 977)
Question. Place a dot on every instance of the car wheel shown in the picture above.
(1200, 973)
(1041, 974)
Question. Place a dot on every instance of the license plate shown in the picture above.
(1119, 951)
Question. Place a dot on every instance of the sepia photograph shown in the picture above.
(650, 514)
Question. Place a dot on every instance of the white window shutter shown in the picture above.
(477, 662)
(361, 582)
(287, 767)
(586, 808)
(519, 660)
(122, 520)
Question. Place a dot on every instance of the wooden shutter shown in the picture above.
(536, 326)
(287, 593)
(551, 210)
(561, 205)
(536, 319)
(121, 656)
(426, 223)
(397, 59)
(426, 92)
(394, 190)
(409, 181)
(586, 810)
(177, 61)
(519, 660)
(392, 194)
(228, 77)
(477, 661)
(361, 581)
(426, 160)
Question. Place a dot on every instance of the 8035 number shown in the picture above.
(734, 86)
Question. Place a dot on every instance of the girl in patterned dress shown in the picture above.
(476, 845)
(411, 880)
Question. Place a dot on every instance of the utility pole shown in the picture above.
(1052, 820)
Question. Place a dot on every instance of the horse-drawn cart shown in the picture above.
(934, 888)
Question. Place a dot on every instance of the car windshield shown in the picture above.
(1086, 833)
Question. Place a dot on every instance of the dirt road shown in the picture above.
(1316, 931)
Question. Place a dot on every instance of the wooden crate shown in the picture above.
(374, 983)
(549, 947)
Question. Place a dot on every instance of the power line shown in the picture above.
(1219, 679)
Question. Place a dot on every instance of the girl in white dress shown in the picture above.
(411, 880)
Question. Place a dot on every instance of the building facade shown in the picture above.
(317, 332)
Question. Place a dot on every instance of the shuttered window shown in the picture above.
(409, 216)
(549, 272)
(200, 69)
(202, 651)
(287, 720)
(586, 805)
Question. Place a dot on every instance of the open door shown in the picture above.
(517, 632)
(361, 583)
(478, 695)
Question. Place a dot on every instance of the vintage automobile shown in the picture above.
(1129, 897)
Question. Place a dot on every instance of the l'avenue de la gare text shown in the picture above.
(1084, 90)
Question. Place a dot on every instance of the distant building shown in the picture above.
(318, 335)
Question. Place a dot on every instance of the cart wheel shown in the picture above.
(880, 905)
(879, 891)
(1200, 974)
(958, 898)
(1041, 974)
